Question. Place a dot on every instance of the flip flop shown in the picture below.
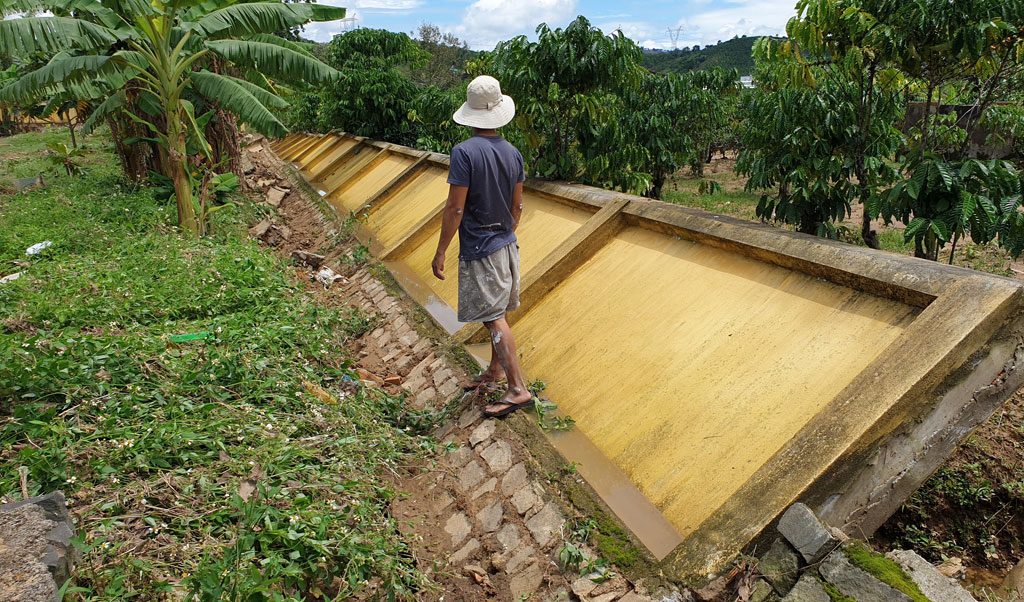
(510, 407)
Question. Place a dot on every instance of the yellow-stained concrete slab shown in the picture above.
(332, 146)
(310, 153)
(345, 167)
(723, 369)
(303, 144)
(360, 187)
(690, 366)
(545, 224)
(400, 213)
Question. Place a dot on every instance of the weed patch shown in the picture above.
(206, 465)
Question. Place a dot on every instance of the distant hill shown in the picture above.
(730, 54)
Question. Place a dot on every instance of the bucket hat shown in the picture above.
(485, 107)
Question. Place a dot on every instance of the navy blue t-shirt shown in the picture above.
(490, 167)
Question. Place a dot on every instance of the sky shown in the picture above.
(484, 23)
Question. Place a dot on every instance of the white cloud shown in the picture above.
(708, 23)
(748, 17)
(324, 31)
(386, 5)
(486, 22)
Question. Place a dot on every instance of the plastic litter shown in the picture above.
(11, 277)
(195, 336)
(38, 248)
(327, 277)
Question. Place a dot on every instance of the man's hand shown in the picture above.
(438, 265)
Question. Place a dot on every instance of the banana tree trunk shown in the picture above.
(177, 164)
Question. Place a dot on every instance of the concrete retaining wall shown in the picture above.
(718, 370)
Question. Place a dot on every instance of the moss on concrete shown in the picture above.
(883, 569)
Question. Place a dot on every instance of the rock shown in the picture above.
(807, 589)
(583, 586)
(634, 597)
(953, 567)
(490, 517)
(460, 456)
(36, 555)
(514, 479)
(508, 537)
(525, 500)
(780, 567)
(486, 488)
(458, 527)
(616, 585)
(29, 182)
(482, 433)
(284, 231)
(468, 417)
(260, 229)
(807, 533)
(762, 592)
(498, 456)
(442, 501)
(275, 195)
(526, 581)
(856, 583)
(472, 474)
(605, 597)
(559, 595)
(1014, 581)
(311, 259)
(464, 552)
(521, 557)
(713, 591)
(929, 580)
(545, 524)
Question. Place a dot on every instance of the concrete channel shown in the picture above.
(717, 370)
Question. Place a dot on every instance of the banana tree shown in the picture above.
(152, 52)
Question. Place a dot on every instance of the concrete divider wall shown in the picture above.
(717, 370)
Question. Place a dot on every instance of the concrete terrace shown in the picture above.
(718, 371)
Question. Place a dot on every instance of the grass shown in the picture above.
(683, 188)
(246, 465)
(883, 569)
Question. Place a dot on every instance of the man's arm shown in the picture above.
(517, 205)
(450, 220)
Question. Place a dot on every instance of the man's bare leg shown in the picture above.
(494, 371)
(504, 348)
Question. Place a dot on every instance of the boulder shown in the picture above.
(929, 580)
(807, 533)
(36, 554)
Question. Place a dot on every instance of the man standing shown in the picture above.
(485, 202)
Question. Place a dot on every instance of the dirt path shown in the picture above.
(483, 523)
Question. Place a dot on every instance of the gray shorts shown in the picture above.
(489, 286)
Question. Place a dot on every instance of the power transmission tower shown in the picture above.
(673, 35)
(350, 23)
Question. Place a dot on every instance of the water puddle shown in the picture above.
(423, 294)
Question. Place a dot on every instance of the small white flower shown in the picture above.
(293, 519)
(71, 480)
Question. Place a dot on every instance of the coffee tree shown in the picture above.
(569, 88)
